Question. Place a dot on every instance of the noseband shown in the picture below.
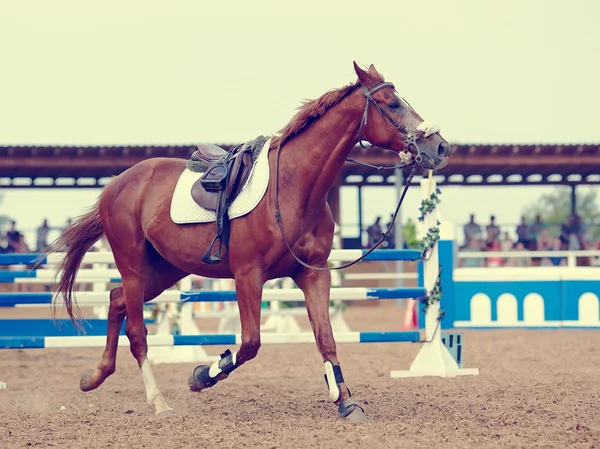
(411, 137)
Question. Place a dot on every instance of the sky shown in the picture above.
(145, 72)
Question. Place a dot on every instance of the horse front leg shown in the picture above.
(248, 286)
(316, 286)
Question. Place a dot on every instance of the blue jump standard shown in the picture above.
(32, 342)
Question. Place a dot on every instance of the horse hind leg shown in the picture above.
(138, 290)
(316, 286)
(92, 379)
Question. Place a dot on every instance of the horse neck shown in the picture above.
(314, 158)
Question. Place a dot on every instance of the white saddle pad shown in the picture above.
(185, 210)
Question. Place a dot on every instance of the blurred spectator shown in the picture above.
(13, 238)
(581, 225)
(23, 247)
(506, 244)
(472, 231)
(572, 232)
(473, 262)
(493, 231)
(519, 261)
(586, 244)
(558, 260)
(374, 232)
(595, 261)
(524, 233)
(536, 228)
(495, 261)
(544, 241)
(42, 236)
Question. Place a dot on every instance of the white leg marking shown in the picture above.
(150, 382)
(153, 395)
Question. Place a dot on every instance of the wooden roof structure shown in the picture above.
(469, 164)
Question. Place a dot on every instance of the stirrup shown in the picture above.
(208, 258)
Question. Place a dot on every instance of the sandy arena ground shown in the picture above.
(535, 389)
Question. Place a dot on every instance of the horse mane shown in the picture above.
(310, 111)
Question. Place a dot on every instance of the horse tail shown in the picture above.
(76, 240)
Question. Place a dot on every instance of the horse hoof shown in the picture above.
(85, 383)
(200, 380)
(351, 411)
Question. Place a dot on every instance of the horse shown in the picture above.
(287, 235)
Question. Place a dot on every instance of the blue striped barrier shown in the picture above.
(22, 259)
(10, 276)
(207, 339)
(339, 255)
(352, 293)
(56, 328)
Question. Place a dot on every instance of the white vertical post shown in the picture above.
(431, 265)
(398, 238)
(433, 359)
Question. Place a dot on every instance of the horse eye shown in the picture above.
(394, 105)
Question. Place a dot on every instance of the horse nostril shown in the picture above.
(444, 149)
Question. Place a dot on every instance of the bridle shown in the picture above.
(410, 140)
(411, 137)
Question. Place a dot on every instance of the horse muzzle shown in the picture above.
(432, 147)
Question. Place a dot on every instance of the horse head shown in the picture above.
(394, 125)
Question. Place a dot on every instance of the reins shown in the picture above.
(410, 140)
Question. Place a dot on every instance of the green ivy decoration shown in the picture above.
(430, 239)
(434, 296)
(429, 204)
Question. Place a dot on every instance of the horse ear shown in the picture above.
(365, 78)
(372, 70)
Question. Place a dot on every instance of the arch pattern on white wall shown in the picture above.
(533, 309)
(481, 309)
(589, 309)
(507, 310)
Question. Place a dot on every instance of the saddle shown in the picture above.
(226, 173)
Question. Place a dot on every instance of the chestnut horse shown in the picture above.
(152, 253)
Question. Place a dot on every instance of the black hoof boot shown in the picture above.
(351, 411)
(199, 379)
